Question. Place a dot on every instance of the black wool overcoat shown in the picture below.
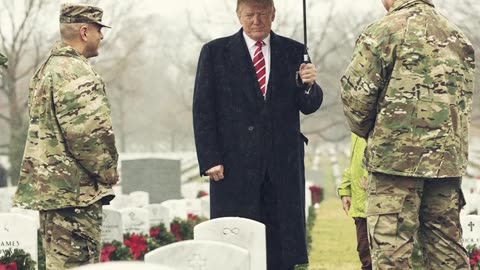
(255, 138)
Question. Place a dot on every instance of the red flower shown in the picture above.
(192, 217)
(137, 245)
(154, 232)
(475, 258)
(315, 190)
(175, 229)
(201, 193)
(10, 266)
(106, 251)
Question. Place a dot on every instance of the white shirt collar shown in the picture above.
(252, 43)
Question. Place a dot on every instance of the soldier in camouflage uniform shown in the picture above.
(70, 159)
(408, 91)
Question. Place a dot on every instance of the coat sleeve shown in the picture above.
(310, 102)
(345, 187)
(83, 115)
(204, 114)
(361, 86)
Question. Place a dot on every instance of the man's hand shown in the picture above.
(215, 173)
(363, 182)
(346, 202)
(308, 73)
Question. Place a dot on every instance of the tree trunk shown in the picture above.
(18, 131)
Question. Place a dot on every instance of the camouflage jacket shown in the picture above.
(409, 91)
(70, 158)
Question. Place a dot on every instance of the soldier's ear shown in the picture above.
(83, 32)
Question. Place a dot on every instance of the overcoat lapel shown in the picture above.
(275, 62)
(240, 58)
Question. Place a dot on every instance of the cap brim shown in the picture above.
(103, 25)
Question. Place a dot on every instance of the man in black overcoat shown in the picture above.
(249, 90)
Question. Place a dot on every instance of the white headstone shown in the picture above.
(200, 255)
(18, 232)
(117, 189)
(124, 266)
(177, 208)
(6, 200)
(135, 220)
(205, 202)
(191, 190)
(472, 202)
(308, 194)
(27, 212)
(112, 228)
(194, 206)
(471, 229)
(242, 232)
(121, 201)
(158, 214)
(308, 198)
(140, 198)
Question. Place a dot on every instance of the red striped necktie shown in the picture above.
(260, 69)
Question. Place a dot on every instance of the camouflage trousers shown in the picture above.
(71, 236)
(400, 207)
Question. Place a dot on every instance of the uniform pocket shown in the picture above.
(382, 218)
(383, 204)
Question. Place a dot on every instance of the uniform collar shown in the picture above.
(63, 49)
(401, 4)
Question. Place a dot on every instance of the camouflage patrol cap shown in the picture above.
(77, 13)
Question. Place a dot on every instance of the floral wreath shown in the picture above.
(474, 255)
(16, 259)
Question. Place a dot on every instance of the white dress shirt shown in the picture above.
(251, 45)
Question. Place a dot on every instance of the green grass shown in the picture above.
(334, 239)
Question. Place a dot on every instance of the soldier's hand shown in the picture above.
(308, 73)
(215, 173)
(346, 202)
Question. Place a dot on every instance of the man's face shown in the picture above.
(256, 20)
(94, 34)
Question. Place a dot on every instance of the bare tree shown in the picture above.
(466, 16)
(331, 40)
(22, 41)
(19, 40)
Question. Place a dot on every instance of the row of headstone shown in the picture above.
(190, 190)
(178, 208)
(117, 222)
(229, 243)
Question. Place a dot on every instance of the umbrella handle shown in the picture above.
(306, 58)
